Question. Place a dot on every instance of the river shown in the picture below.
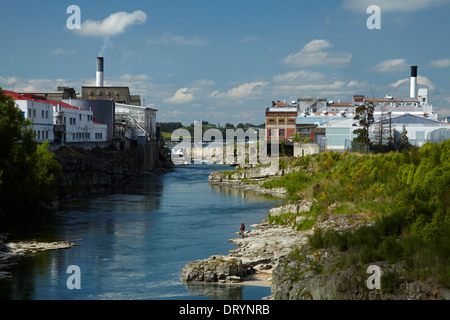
(133, 243)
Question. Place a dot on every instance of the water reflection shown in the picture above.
(216, 291)
(133, 244)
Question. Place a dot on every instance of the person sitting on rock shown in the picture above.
(242, 229)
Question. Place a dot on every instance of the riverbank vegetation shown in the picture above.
(28, 171)
(406, 193)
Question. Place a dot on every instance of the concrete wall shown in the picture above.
(301, 150)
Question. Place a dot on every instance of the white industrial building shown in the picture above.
(56, 121)
(414, 113)
(40, 114)
(139, 122)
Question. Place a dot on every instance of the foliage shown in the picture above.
(299, 137)
(407, 194)
(29, 172)
(364, 114)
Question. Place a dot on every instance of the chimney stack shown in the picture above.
(413, 84)
(99, 71)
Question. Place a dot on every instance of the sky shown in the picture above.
(225, 61)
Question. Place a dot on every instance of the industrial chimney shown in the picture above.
(99, 71)
(413, 85)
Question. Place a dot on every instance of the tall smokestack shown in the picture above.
(413, 85)
(99, 71)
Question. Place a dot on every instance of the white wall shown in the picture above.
(80, 126)
(41, 114)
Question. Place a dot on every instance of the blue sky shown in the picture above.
(224, 61)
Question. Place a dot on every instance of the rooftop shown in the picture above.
(38, 98)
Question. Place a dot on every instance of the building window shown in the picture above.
(42, 114)
(46, 114)
(271, 121)
(39, 135)
(281, 132)
(272, 132)
(291, 121)
(281, 121)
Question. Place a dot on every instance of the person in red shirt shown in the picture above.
(242, 229)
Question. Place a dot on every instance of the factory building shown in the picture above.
(331, 124)
(280, 121)
(100, 92)
(57, 121)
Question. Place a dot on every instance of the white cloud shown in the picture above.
(391, 65)
(60, 51)
(181, 96)
(420, 80)
(113, 25)
(242, 91)
(392, 6)
(312, 54)
(300, 75)
(250, 39)
(308, 89)
(442, 63)
(31, 85)
(169, 39)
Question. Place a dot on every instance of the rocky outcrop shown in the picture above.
(91, 172)
(297, 272)
(314, 276)
(218, 268)
(257, 253)
(249, 178)
(10, 252)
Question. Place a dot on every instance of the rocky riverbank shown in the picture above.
(280, 256)
(250, 178)
(12, 252)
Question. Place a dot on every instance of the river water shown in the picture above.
(133, 243)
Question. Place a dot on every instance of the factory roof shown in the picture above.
(38, 98)
(282, 109)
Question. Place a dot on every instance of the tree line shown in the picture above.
(28, 171)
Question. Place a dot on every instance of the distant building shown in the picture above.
(39, 111)
(331, 124)
(57, 121)
(100, 92)
(419, 129)
(136, 122)
(280, 121)
(103, 110)
(118, 94)
(60, 93)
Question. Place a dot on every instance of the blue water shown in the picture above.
(134, 243)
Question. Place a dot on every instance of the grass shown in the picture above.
(407, 194)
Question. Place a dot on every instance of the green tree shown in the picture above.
(404, 142)
(29, 173)
(365, 116)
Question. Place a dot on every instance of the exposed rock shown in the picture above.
(297, 272)
(258, 252)
(218, 268)
(10, 252)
